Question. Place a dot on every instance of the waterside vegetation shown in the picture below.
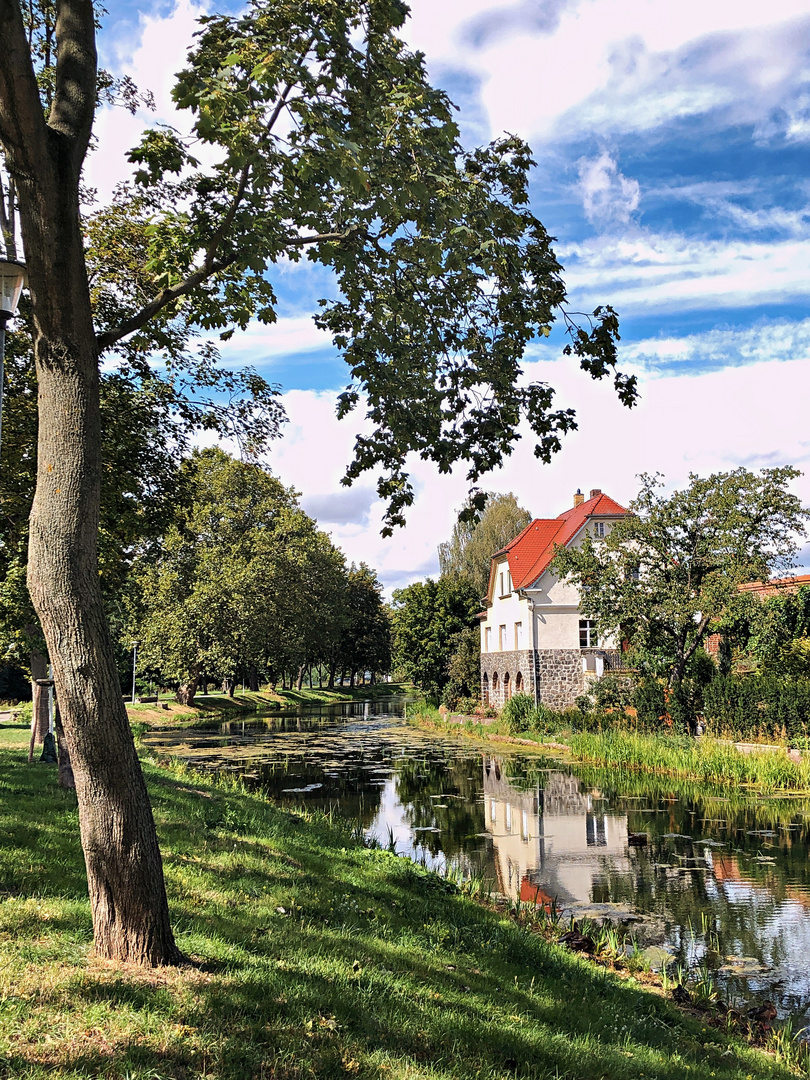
(312, 954)
(708, 760)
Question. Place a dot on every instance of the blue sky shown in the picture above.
(673, 150)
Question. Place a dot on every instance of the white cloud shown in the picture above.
(623, 65)
(753, 416)
(671, 272)
(608, 197)
(282, 339)
(151, 57)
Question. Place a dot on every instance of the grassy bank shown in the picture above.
(209, 706)
(312, 956)
(704, 761)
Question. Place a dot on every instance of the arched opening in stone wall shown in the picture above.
(485, 689)
(495, 687)
(507, 689)
(519, 683)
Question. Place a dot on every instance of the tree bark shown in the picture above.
(65, 769)
(124, 869)
(40, 720)
(187, 691)
(253, 679)
(300, 680)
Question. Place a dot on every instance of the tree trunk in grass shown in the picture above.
(40, 721)
(44, 156)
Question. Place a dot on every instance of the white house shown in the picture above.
(533, 637)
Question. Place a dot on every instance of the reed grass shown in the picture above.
(706, 761)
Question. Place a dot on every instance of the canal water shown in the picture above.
(722, 881)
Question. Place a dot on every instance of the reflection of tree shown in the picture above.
(351, 790)
(460, 814)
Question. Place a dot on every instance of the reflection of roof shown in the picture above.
(532, 550)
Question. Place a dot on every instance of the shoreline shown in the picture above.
(312, 954)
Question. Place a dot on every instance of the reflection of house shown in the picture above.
(549, 842)
(533, 638)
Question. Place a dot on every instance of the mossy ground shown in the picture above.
(310, 956)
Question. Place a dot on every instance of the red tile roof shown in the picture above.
(532, 550)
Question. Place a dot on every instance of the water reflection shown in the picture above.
(723, 879)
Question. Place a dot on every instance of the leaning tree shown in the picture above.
(322, 136)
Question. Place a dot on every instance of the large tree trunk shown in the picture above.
(124, 870)
(300, 680)
(253, 678)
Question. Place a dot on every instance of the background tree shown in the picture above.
(365, 643)
(328, 139)
(427, 618)
(468, 552)
(780, 633)
(464, 668)
(663, 575)
(200, 592)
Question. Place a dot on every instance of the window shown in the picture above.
(587, 634)
(508, 818)
(502, 637)
(633, 572)
(599, 528)
(518, 635)
(488, 639)
(500, 588)
(505, 582)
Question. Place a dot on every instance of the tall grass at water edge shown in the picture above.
(707, 761)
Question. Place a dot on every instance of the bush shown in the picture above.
(752, 707)
(517, 712)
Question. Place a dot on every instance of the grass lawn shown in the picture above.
(310, 956)
(167, 711)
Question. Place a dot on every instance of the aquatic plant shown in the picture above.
(707, 761)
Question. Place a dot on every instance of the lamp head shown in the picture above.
(12, 279)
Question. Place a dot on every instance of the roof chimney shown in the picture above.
(595, 492)
(579, 498)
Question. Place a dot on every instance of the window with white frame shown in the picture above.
(502, 637)
(488, 639)
(518, 635)
(599, 528)
(587, 634)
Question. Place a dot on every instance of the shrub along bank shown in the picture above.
(310, 955)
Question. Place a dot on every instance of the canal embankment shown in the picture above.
(308, 954)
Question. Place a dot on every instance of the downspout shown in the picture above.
(532, 640)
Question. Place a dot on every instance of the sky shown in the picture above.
(672, 144)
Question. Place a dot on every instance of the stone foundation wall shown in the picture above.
(551, 676)
(507, 663)
(559, 677)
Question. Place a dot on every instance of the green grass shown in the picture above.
(313, 956)
(706, 761)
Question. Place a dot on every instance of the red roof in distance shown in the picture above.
(532, 550)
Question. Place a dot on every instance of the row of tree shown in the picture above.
(243, 585)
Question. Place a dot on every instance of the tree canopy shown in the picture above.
(665, 574)
(474, 541)
(428, 616)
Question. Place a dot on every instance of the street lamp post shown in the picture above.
(135, 645)
(12, 279)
